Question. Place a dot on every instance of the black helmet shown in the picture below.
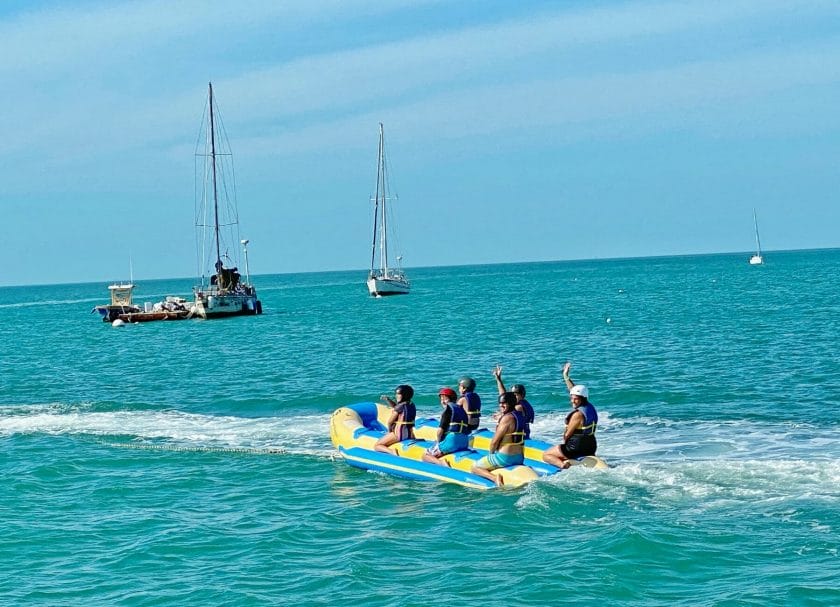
(467, 382)
(518, 389)
(406, 391)
(508, 398)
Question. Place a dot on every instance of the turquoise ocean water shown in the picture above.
(189, 463)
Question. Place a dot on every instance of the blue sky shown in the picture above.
(516, 131)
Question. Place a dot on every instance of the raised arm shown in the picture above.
(497, 373)
(569, 383)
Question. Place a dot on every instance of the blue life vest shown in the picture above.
(459, 422)
(528, 413)
(406, 417)
(590, 419)
(517, 437)
(473, 408)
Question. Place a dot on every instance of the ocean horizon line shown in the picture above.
(429, 267)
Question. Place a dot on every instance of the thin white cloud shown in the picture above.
(567, 109)
(469, 81)
(457, 59)
(57, 38)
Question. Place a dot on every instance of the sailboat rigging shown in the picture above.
(217, 223)
(757, 259)
(383, 280)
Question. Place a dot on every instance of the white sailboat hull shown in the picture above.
(210, 304)
(380, 286)
(756, 260)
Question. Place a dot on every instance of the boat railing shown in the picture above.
(214, 291)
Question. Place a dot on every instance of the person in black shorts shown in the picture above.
(581, 424)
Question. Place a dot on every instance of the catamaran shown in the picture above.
(223, 292)
(383, 280)
(757, 259)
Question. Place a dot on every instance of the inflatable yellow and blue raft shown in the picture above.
(354, 430)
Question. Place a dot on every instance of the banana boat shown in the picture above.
(355, 429)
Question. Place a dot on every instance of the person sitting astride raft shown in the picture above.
(579, 437)
(453, 433)
(401, 422)
(506, 446)
(470, 401)
(522, 405)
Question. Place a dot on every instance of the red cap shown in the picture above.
(447, 392)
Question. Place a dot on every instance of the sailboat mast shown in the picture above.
(215, 191)
(757, 240)
(376, 203)
(381, 171)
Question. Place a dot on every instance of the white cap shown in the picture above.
(579, 390)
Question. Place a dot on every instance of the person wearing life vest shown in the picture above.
(401, 422)
(581, 424)
(453, 433)
(522, 405)
(506, 446)
(470, 401)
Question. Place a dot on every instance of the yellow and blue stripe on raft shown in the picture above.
(354, 430)
(413, 469)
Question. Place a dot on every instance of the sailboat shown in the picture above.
(383, 280)
(757, 259)
(222, 292)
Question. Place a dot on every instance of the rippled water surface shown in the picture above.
(189, 463)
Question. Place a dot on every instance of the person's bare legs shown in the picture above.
(555, 457)
(428, 457)
(485, 473)
(383, 444)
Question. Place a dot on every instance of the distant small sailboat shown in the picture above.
(218, 223)
(383, 280)
(757, 259)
